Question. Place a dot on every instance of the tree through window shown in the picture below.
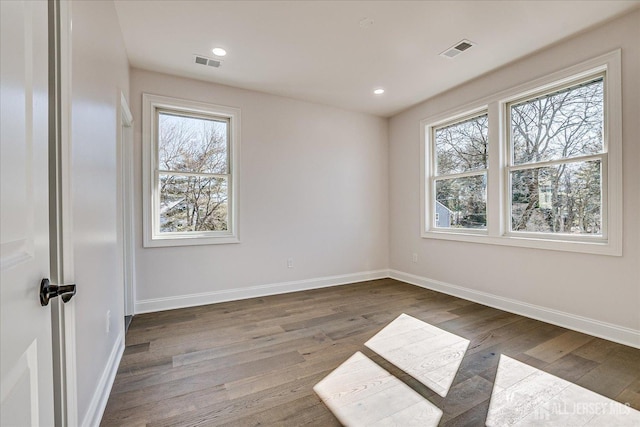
(461, 172)
(557, 152)
(537, 166)
(190, 180)
(193, 173)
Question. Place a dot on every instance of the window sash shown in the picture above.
(602, 158)
(434, 180)
(157, 201)
(449, 124)
(190, 115)
(543, 93)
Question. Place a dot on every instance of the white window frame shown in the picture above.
(498, 191)
(433, 177)
(510, 166)
(151, 105)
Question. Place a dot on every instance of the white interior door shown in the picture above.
(25, 347)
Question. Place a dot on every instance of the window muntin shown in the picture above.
(190, 172)
(460, 173)
(557, 150)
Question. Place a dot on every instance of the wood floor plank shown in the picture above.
(608, 379)
(473, 417)
(225, 412)
(554, 349)
(361, 391)
(465, 395)
(571, 367)
(526, 396)
(519, 344)
(427, 353)
(230, 351)
(211, 371)
(286, 374)
(631, 395)
(304, 411)
(169, 407)
(255, 361)
(597, 350)
(484, 340)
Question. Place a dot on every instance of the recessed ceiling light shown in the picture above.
(218, 51)
(378, 91)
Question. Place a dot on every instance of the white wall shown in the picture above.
(313, 187)
(100, 70)
(603, 288)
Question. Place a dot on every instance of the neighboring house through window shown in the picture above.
(443, 215)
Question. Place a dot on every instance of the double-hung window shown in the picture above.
(190, 179)
(536, 166)
(459, 181)
(556, 158)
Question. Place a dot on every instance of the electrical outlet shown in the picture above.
(289, 262)
(108, 324)
(414, 257)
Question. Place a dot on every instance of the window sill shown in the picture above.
(164, 241)
(597, 247)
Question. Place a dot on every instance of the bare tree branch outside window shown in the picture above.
(461, 154)
(193, 173)
(564, 131)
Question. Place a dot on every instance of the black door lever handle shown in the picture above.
(49, 291)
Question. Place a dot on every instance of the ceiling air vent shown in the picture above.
(457, 49)
(202, 60)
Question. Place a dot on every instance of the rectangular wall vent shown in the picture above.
(202, 60)
(457, 49)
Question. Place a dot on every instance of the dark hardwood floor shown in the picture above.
(254, 362)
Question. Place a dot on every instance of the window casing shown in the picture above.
(592, 160)
(190, 172)
(459, 164)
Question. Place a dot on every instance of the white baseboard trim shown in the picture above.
(182, 301)
(101, 395)
(608, 331)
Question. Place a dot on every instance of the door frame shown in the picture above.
(63, 315)
(126, 201)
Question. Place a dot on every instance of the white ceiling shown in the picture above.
(317, 50)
